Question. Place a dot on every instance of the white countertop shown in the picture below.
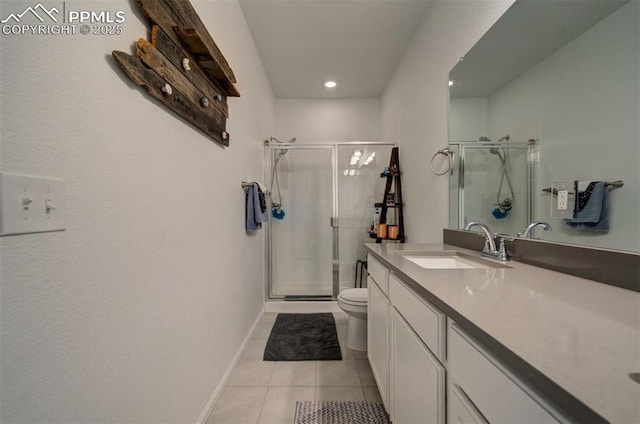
(581, 334)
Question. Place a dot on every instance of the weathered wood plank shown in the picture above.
(170, 13)
(152, 57)
(177, 102)
(175, 54)
(192, 41)
(187, 17)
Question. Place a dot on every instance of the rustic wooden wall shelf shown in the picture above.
(182, 67)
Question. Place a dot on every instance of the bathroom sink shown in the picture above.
(449, 260)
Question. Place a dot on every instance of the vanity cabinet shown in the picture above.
(460, 409)
(417, 378)
(429, 370)
(403, 334)
(481, 390)
(378, 327)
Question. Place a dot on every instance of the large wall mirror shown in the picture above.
(550, 94)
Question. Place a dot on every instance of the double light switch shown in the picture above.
(31, 204)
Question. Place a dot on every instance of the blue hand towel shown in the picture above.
(594, 216)
(259, 204)
(255, 215)
(251, 224)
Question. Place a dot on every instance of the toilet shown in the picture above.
(354, 303)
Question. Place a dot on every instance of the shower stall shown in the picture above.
(492, 182)
(321, 210)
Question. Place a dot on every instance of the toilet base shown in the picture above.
(356, 333)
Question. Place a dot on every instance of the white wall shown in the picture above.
(318, 120)
(582, 104)
(468, 119)
(135, 311)
(415, 103)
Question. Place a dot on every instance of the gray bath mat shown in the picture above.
(303, 337)
(339, 412)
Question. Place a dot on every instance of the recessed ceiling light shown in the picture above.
(330, 84)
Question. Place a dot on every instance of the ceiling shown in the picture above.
(357, 43)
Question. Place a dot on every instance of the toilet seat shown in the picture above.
(354, 297)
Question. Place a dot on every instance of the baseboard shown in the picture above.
(208, 409)
(309, 307)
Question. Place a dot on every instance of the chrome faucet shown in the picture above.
(489, 249)
(530, 227)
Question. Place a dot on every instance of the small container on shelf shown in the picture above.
(391, 199)
(392, 231)
(382, 231)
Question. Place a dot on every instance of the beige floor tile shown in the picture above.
(339, 393)
(266, 392)
(251, 372)
(268, 318)
(371, 394)
(341, 329)
(238, 405)
(364, 371)
(262, 331)
(337, 373)
(280, 404)
(294, 373)
(254, 349)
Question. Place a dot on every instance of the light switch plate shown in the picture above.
(31, 204)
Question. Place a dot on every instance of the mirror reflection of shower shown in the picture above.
(503, 205)
(276, 206)
(493, 182)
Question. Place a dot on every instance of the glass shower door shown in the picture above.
(300, 232)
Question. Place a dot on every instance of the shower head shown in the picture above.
(496, 151)
(282, 152)
(293, 140)
(485, 138)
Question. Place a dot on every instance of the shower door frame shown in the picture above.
(333, 221)
(532, 161)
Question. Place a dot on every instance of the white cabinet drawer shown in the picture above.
(498, 397)
(417, 378)
(460, 410)
(427, 321)
(378, 272)
(378, 338)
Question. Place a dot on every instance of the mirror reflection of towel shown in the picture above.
(594, 215)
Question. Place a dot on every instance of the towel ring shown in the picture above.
(448, 153)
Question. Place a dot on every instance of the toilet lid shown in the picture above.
(354, 295)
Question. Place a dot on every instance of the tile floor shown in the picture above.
(265, 392)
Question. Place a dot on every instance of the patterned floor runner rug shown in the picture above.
(339, 412)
